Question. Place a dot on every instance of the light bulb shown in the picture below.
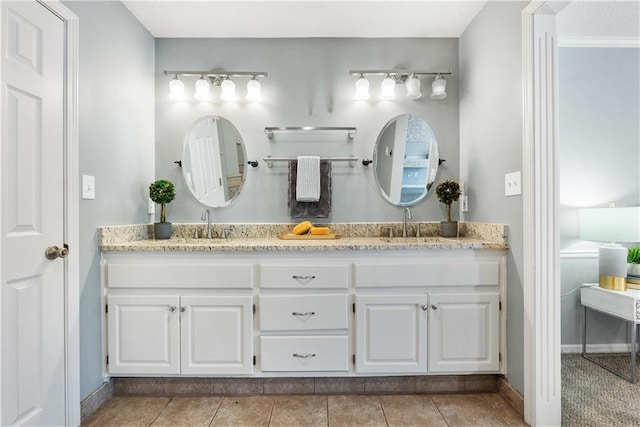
(254, 89)
(228, 88)
(362, 88)
(438, 88)
(203, 88)
(388, 88)
(176, 89)
(413, 87)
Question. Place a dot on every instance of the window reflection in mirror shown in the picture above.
(405, 159)
(213, 161)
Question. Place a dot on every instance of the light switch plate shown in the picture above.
(513, 184)
(464, 204)
(88, 187)
(151, 207)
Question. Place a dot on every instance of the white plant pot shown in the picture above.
(633, 269)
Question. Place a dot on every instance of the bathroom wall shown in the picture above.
(599, 153)
(491, 145)
(116, 144)
(308, 85)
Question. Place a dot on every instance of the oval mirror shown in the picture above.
(213, 161)
(405, 159)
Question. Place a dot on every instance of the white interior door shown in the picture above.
(32, 288)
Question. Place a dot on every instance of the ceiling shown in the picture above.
(304, 18)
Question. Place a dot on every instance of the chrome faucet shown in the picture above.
(206, 215)
(407, 216)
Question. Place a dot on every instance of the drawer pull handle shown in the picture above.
(304, 356)
(295, 276)
(308, 313)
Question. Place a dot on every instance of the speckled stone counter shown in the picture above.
(263, 237)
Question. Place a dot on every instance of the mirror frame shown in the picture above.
(243, 175)
(433, 163)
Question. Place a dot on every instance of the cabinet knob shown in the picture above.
(424, 307)
(304, 356)
(434, 307)
(183, 309)
(308, 313)
(172, 308)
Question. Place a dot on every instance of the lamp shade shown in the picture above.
(203, 88)
(413, 87)
(176, 89)
(254, 90)
(362, 88)
(610, 224)
(438, 88)
(228, 89)
(388, 88)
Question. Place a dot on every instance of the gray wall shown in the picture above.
(116, 142)
(599, 153)
(491, 145)
(308, 85)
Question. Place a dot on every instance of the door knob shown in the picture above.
(54, 252)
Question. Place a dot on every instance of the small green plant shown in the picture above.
(162, 192)
(633, 255)
(448, 192)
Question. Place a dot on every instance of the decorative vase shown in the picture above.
(162, 230)
(449, 228)
(633, 269)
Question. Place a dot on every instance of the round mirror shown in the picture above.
(405, 159)
(213, 161)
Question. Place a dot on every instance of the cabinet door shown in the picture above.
(217, 335)
(143, 334)
(391, 333)
(464, 332)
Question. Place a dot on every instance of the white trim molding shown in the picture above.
(597, 42)
(541, 237)
(597, 348)
(71, 214)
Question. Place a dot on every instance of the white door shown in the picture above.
(464, 332)
(217, 335)
(32, 287)
(144, 334)
(391, 333)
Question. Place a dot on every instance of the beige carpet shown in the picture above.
(592, 396)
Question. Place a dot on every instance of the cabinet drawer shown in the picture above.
(304, 276)
(152, 275)
(463, 273)
(297, 354)
(303, 312)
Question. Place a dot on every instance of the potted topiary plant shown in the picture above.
(633, 261)
(448, 192)
(162, 192)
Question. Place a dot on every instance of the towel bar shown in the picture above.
(351, 131)
(269, 160)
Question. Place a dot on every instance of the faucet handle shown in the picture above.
(390, 231)
(195, 235)
(418, 230)
(225, 233)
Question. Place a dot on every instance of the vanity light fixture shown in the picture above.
(388, 88)
(411, 79)
(176, 89)
(362, 88)
(205, 79)
(203, 89)
(254, 89)
(438, 88)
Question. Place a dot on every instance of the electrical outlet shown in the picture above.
(151, 207)
(88, 187)
(513, 184)
(464, 204)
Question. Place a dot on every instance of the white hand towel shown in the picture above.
(308, 179)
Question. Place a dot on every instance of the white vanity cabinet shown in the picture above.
(160, 323)
(346, 313)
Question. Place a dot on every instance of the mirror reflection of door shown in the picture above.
(203, 155)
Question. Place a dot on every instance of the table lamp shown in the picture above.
(611, 225)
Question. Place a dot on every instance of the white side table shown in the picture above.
(624, 305)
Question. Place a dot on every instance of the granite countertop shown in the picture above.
(261, 237)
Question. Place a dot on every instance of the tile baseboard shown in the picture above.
(96, 399)
(511, 395)
(423, 384)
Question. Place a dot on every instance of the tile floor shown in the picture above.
(487, 409)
